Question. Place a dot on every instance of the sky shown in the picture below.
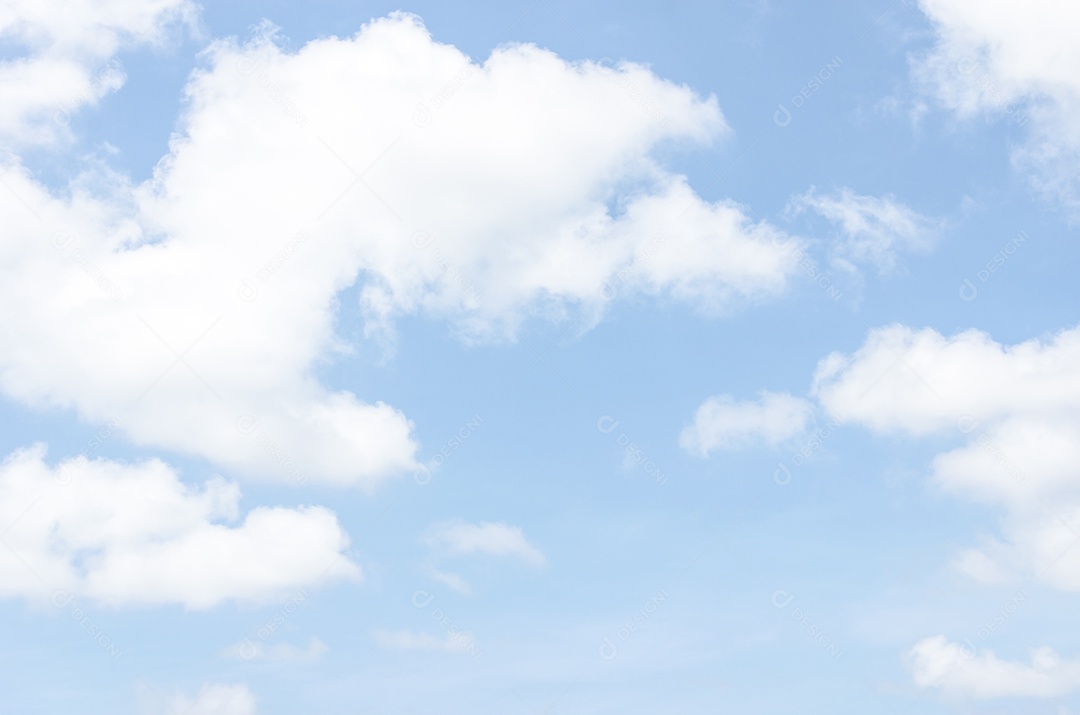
(539, 357)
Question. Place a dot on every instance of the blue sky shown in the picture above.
(539, 357)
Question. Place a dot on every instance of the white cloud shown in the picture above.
(70, 61)
(1013, 61)
(459, 538)
(873, 230)
(451, 579)
(1017, 410)
(456, 641)
(294, 176)
(212, 699)
(133, 534)
(937, 663)
(278, 652)
(722, 422)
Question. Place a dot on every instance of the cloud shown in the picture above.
(1016, 408)
(456, 641)
(124, 534)
(723, 423)
(212, 699)
(195, 309)
(278, 652)
(873, 230)
(451, 579)
(937, 663)
(1012, 62)
(70, 58)
(458, 538)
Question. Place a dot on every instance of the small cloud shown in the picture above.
(453, 580)
(459, 538)
(938, 663)
(279, 652)
(871, 230)
(454, 641)
(724, 423)
(212, 699)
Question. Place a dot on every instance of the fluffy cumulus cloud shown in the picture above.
(132, 534)
(212, 699)
(1017, 62)
(870, 230)
(193, 309)
(954, 668)
(1014, 408)
(459, 538)
(722, 422)
(69, 58)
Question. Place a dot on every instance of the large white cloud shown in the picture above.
(193, 309)
(938, 663)
(1014, 61)
(132, 534)
(70, 57)
(1015, 408)
(722, 422)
